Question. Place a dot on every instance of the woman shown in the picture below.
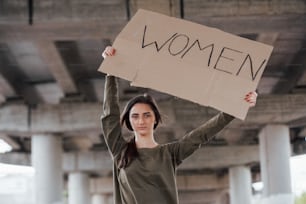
(145, 171)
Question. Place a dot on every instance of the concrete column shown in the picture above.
(47, 161)
(100, 199)
(110, 198)
(78, 188)
(240, 185)
(275, 162)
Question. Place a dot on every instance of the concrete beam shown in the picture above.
(251, 24)
(6, 90)
(243, 8)
(221, 157)
(79, 143)
(29, 67)
(100, 161)
(267, 38)
(51, 31)
(204, 158)
(69, 117)
(2, 98)
(10, 141)
(168, 7)
(51, 57)
(302, 133)
(287, 108)
(14, 118)
(14, 158)
(294, 74)
(66, 117)
(109, 29)
(88, 161)
(68, 11)
(49, 92)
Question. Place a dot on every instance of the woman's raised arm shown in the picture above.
(205, 132)
(111, 112)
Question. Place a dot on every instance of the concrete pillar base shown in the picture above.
(278, 199)
(275, 160)
(240, 185)
(47, 161)
(78, 188)
(100, 199)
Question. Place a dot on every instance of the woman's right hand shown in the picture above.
(109, 51)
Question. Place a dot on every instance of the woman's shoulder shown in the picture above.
(170, 146)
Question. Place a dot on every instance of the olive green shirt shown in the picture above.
(151, 177)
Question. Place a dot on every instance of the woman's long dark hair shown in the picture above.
(130, 152)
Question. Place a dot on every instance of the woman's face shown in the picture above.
(142, 119)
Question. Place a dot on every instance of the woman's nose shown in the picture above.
(141, 120)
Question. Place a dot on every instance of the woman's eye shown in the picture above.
(134, 116)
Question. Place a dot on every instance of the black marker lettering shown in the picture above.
(158, 48)
(251, 66)
(222, 56)
(187, 42)
(198, 43)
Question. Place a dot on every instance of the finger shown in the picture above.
(107, 52)
(113, 51)
(104, 54)
(251, 96)
(252, 104)
(110, 51)
(247, 95)
(252, 93)
(250, 100)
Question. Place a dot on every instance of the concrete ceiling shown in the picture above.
(50, 52)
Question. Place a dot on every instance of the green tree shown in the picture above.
(301, 199)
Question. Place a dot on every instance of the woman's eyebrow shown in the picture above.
(147, 113)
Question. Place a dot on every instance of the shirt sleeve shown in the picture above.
(201, 135)
(110, 118)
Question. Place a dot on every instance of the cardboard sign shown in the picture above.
(188, 60)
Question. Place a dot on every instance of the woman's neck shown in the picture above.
(145, 142)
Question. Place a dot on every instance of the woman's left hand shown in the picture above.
(251, 98)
